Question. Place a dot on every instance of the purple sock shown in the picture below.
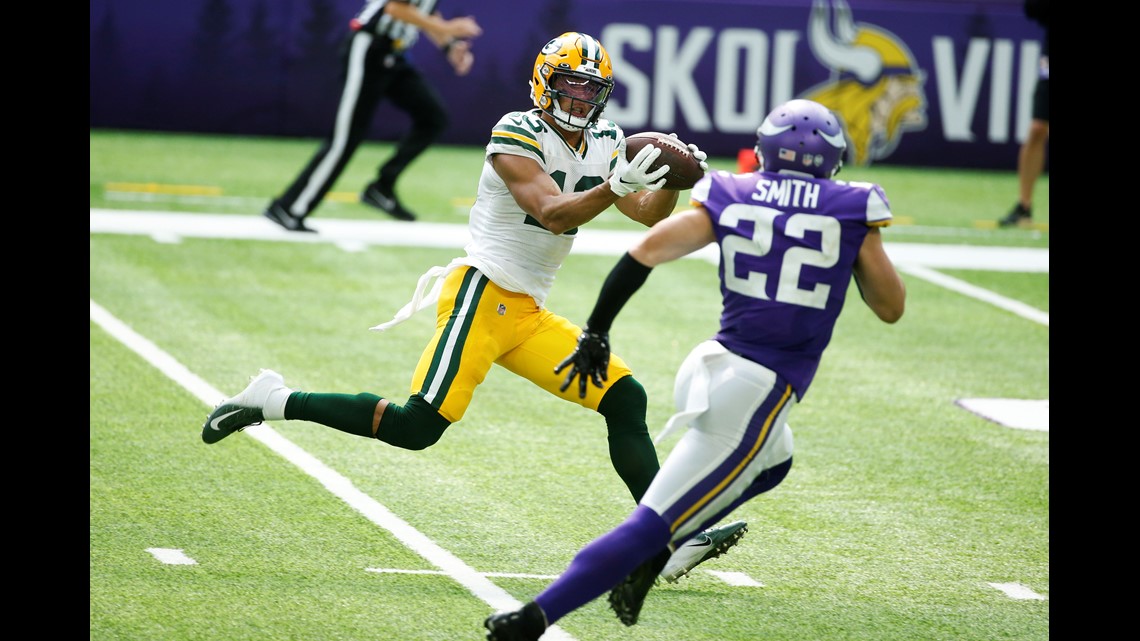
(608, 559)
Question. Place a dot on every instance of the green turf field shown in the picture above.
(903, 518)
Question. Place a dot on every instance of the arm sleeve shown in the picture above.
(624, 279)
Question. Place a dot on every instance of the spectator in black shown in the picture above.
(376, 68)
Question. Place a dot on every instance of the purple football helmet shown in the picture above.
(801, 136)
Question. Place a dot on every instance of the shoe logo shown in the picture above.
(214, 423)
(703, 543)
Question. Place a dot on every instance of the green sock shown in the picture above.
(345, 412)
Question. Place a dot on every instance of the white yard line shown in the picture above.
(973, 291)
(507, 575)
(340, 486)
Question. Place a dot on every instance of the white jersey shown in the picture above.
(508, 245)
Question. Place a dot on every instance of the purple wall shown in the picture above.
(919, 83)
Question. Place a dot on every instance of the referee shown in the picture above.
(375, 68)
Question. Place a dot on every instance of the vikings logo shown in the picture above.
(876, 87)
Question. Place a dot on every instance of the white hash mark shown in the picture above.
(1017, 591)
(171, 556)
(738, 579)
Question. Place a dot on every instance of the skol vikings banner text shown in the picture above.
(946, 83)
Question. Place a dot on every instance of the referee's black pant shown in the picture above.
(372, 72)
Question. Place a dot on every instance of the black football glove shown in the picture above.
(590, 360)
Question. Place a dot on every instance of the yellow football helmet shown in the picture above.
(575, 66)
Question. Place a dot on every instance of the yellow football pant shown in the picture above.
(479, 323)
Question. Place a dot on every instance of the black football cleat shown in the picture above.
(277, 214)
(386, 202)
(628, 596)
(525, 624)
(1017, 217)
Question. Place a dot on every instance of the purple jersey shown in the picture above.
(788, 244)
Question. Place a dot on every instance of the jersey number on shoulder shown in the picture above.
(524, 119)
(788, 289)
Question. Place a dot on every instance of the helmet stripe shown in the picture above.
(590, 50)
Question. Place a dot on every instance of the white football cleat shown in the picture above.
(709, 544)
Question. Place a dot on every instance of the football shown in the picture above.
(684, 169)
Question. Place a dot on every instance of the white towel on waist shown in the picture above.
(420, 300)
(691, 390)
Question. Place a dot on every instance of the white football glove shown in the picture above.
(697, 153)
(635, 176)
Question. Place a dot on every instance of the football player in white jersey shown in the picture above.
(547, 171)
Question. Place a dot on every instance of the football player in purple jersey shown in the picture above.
(791, 238)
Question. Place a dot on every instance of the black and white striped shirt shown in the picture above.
(373, 19)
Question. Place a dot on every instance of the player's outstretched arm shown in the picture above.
(679, 235)
(671, 239)
(880, 285)
(438, 29)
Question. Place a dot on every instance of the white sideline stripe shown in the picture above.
(485, 590)
(1017, 591)
(737, 579)
(361, 233)
(463, 209)
(171, 556)
(973, 291)
(358, 233)
(506, 575)
(355, 235)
